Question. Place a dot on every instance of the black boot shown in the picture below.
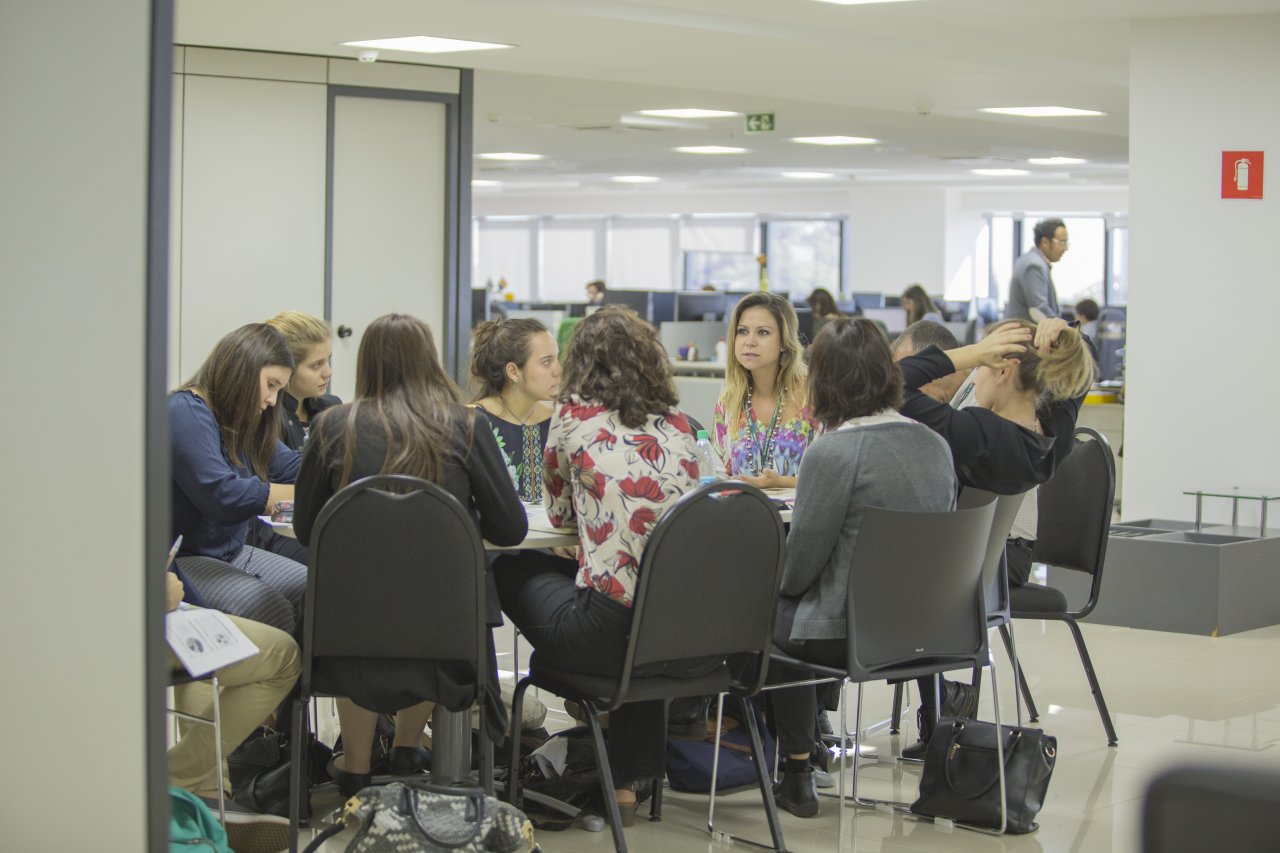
(798, 792)
(926, 720)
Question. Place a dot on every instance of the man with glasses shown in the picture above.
(1031, 292)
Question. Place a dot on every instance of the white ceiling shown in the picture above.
(910, 74)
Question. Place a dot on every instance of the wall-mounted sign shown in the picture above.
(1242, 174)
(760, 122)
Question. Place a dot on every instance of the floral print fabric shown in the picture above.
(614, 483)
(791, 439)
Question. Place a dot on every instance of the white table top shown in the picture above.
(541, 533)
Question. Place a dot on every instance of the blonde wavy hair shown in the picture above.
(792, 372)
(1066, 371)
(303, 332)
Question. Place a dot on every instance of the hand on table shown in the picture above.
(768, 479)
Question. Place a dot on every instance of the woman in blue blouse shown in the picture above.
(229, 466)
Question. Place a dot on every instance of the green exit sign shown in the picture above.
(760, 122)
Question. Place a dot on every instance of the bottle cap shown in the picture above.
(702, 433)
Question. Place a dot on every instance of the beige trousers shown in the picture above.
(249, 691)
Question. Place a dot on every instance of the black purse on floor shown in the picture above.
(961, 774)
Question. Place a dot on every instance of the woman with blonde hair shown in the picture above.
(310, 341)
(762, 422)
(1029, 381)
(406, 419)
(516, 366)
(919, 305)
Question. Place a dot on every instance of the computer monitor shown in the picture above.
(891, 301)
(479, 305)
(894, 319)
(987, 308)
(636, 300)
(868, 300)
(700, 305)
(662, 307)
(847, 306)
(805, 325)
(955, 310)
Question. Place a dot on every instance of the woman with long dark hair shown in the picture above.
(229, 466)
(618, 455)
(406, 419)
(919, 305)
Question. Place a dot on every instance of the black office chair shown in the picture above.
(707, 587)
(397, 574)
(995, 584)
(915, 607)
(1075, 521)
(1200, 807)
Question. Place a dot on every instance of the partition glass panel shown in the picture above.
(803, 255)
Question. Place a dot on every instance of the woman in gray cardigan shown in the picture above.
(868, 456)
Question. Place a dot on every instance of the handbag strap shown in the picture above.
(409, 802)
(954, 745)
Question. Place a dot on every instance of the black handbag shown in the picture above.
(961, 779)
(408, 817)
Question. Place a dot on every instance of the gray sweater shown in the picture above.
(886, 461)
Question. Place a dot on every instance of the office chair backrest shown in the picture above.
(395, 574)
(1075, 507)
(1199, 807)
(709, 577)
(995, 584)
(915, 589)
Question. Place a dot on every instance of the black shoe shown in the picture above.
(408, 760)
(687, 717)
(915, 752)
(824, 725)
(798, 793)
(349, 784)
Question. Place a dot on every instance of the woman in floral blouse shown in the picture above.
(517, 367)
(618, 455)
(762, 422)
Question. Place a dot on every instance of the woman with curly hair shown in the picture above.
(618, 455)
(762, 423)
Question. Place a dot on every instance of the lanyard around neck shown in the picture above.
(763, 456)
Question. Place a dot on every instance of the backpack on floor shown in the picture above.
(689, 762)
(192, 826)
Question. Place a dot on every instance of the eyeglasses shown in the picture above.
(1062, 243)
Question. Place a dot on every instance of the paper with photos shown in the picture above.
(205, 640)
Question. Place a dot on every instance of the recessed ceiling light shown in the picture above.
(687, 113)
(835, 140)
(482, 183)
(1000, 173)
(1041, 112)
(634, 179)
(808, 176)
(425, 44)
(861, 2)
(1056, 161)
(710, 149)
(510, 155)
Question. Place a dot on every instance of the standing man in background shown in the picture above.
(1031, 292)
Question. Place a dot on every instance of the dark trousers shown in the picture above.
(264, 536)
(795, 709)
(1017, 556)
(583, 631)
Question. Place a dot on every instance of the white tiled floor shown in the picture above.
(1173, 697)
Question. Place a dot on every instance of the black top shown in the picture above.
(474, 473)
(990, 452)
(296, 430)
(522, 447)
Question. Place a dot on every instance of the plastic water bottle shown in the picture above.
(706, 455)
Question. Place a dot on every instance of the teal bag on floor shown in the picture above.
(192, 826)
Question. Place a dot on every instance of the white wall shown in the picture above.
(72, 295)
(1200, 408)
